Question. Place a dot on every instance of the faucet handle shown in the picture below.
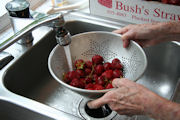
(54, 20)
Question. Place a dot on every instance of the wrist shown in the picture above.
(162, 109)
(174, 31)
(173, 27)
(168, 31)
(153, 105)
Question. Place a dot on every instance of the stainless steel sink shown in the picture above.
(11, 111)
(163, 69)
(28, 91)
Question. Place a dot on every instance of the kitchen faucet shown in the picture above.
(56, 21)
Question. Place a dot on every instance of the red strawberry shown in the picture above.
(87, 71)
(117, 73)
(116, 60)
(99, 69)
(72, 75)
(164, 1)
(66, 77)
(107, 66)
(95, 77)
(174, 2)
(79, 64)
(88, 64)
(82, 82)
(100, 80)
(97, 59)
(80, 72)
(89, 86)
(88, 80)
(109, 86)
(98, 87)
(108, 74)
(117, 66)
(75, 82)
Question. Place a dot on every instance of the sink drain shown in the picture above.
(103, 113)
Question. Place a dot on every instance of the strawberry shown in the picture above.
(165, 1)
(89, 86)
(116, 60)
(79, 64)
(100, 81)
(95, 77)
(88, 64)
(174, 2)
(87, 71)
(109, 86)
(80, 73)
(88, 80)
(107, 66)
(98, 87)
(108, 74)
(97, 59)
(99, 69)
(82, 82)
(117, 66)
(72, 75)
(117, 73)
(75, 82)
(66, 77)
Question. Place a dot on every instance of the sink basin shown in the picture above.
(163, 69)
(27, 79)
(10, 111)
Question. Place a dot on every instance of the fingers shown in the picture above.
(106, 99)
(119, 82)
(97, 103)
(124, 29)
(138, 33)
(121, 31)
(115, 82)
(126, 35)
(126, 43)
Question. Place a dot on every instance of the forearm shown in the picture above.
(162, 109)
(171, 30)
(170, 111)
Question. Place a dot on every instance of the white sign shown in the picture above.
(135, 11)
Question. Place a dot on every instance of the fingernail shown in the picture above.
(89, 105)
(124, 44)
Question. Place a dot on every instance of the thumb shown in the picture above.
(97, 103)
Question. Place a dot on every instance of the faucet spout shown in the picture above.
(63, 37)
(55, 21)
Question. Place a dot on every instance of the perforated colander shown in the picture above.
(107, 44)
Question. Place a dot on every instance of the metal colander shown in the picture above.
(107, 44)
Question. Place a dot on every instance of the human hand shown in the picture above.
(129, 98)
(150, 34)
